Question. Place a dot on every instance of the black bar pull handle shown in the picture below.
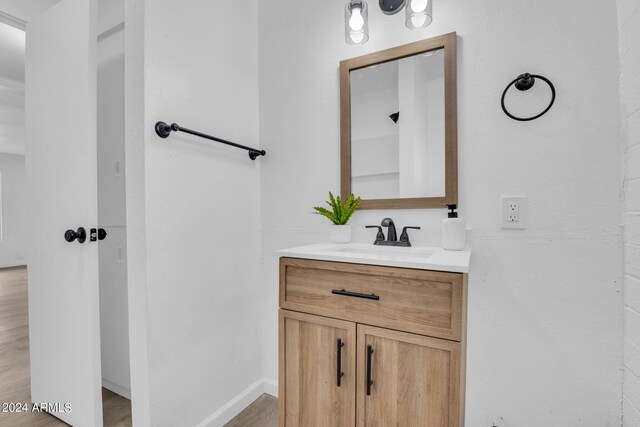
(355, 294)
(369, 380)
(339, 373)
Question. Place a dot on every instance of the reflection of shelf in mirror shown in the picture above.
(369, 175)
(389, 138)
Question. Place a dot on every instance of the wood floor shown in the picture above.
(261, 413)
(14, 360)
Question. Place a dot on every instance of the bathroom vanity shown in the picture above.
(375, 335)
(372, 336)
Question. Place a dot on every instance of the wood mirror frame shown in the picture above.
(446, 42)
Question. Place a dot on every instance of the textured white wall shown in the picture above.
(14, 224)
(545, 303)
(202, 201)
(629, 36)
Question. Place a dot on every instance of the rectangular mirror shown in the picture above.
(399, 126)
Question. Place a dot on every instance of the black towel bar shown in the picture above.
(163, 130)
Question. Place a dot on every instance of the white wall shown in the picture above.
(629, 37)
(545, 303)
(114, 325)
(422, 136)
(374, 139)
(202, 292)
(12, 172)
(14, 224)
(12, 145)
(12, 45)
(135, 198)
(110, 15)
(12, 130)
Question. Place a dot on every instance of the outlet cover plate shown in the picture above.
(514, 212)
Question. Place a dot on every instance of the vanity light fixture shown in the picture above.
(418, 14)
(356, 22)
(391, 7)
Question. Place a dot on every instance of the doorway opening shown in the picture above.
(15, 369)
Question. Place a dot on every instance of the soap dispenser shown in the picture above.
(453, 231)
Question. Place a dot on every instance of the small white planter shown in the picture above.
(340, 233)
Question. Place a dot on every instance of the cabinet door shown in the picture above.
(317, 371)
(407, 380)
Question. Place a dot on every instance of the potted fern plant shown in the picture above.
(339, 215)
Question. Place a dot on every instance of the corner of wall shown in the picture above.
(236, 405)
(629, 50)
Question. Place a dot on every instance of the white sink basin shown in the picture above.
(424, 258)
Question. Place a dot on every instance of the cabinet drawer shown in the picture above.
(419, 301)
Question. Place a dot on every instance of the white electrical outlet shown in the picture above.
(514, 212)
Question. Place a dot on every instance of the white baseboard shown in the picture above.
(240, 402)
(270, 386)
(117, 389)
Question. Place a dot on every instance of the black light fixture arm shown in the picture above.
(163, 130)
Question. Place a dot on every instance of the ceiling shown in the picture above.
(19, 12)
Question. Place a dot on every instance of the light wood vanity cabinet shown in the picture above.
(401, 330)
(416, 379)
(313, 396)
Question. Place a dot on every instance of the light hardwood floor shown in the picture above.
(14, 360)
(261, 413)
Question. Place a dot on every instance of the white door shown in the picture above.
(61, 168)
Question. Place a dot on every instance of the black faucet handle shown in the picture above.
(380, 235)
(404, 237)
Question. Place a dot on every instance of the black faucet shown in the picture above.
(392, 237)
(391, 233)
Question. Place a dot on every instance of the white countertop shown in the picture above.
(423, 258)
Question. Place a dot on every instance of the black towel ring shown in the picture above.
(525, 82)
